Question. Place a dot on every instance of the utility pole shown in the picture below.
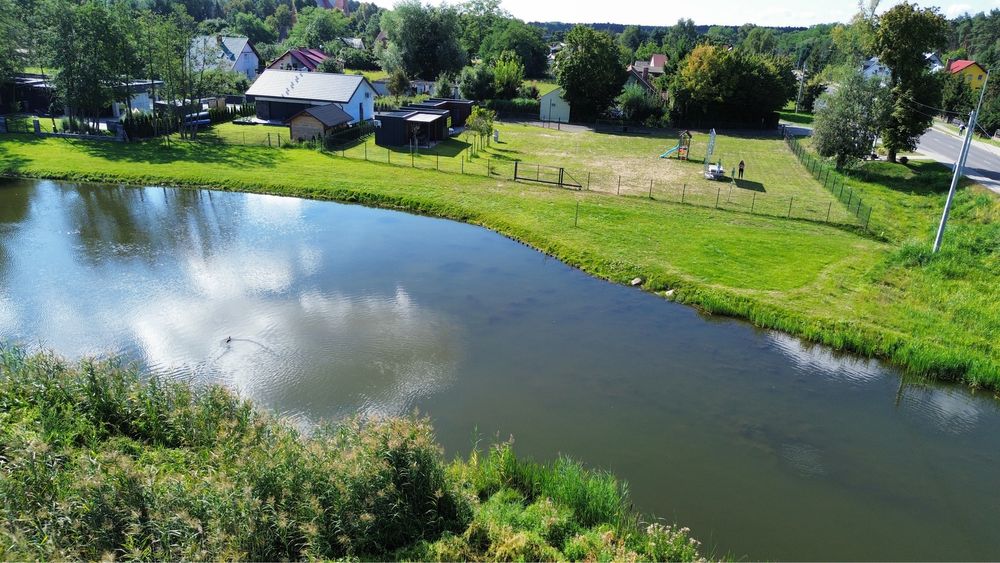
(962, 157)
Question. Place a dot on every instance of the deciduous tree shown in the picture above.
(846, 127)
(425, 38)
(905, 33)
(589, 71)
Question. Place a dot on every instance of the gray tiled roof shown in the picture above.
(228, 49)
(330, 115)
(312, 86)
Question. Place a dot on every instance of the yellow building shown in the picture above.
(970, 71)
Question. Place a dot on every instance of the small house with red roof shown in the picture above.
(970, 71)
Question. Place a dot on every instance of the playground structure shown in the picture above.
(682, 148)
(713, 171)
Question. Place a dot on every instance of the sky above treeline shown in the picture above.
(776, 13)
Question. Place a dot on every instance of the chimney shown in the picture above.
(645, 73)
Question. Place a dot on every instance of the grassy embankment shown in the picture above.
(97, 463)
(823, 283)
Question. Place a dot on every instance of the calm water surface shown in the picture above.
(766, 447)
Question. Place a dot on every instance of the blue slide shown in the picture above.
(671, 151)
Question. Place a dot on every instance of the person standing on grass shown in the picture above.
(742, 166)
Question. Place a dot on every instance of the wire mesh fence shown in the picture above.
(462, 158)
(832, 181)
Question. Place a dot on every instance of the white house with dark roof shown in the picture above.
(281, 94)
(227, 53)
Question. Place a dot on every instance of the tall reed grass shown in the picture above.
(97, 462)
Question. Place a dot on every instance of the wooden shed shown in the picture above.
(316, 122)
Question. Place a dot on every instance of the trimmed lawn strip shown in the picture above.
(812, 280)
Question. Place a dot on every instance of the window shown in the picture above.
(368, 94)
(980, 77)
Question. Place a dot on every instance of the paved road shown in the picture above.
(983, 164)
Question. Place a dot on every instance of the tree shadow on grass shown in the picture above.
(12, 163)
(918, 178)
(749, 185)
(158, 152)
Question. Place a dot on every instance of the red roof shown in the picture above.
(959, 64)
(309, 58)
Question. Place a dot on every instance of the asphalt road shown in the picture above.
(982, 166)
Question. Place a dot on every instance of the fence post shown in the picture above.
(366, 150)
(269, 139)
(869, 218)
(850, 196)
(488, 170)
(619, 184)
(244, 139)
(437, 162)
(279, 140)
(683, 191)
(717, 196)
(752, 202)
(650, 188)
(588, 181)
(515, 169)
(790, 200)
(828, 210)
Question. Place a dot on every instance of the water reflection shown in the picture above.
(764, 445)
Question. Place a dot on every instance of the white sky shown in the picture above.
(722, 12)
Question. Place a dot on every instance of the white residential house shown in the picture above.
(553, 107)
(873, 68)
(227, 53)
(281, 94)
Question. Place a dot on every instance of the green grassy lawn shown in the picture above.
(772, 181)
(544, 86)
(21, 121)
(371, 75)
(235, 134)
(824, 283)
(789, 114)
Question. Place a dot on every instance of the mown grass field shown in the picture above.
(100, 463)
(827, 284)
(774, 183)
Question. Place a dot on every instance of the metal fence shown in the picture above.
(727, 194)
(832, 180)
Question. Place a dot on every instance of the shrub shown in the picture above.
(476, 83)
(528, 91)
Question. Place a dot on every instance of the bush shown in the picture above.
(637, 104)
(358, 59)
(515, 106)
(529, 91)
(476, 83)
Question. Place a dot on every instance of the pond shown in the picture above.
(766, 447)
